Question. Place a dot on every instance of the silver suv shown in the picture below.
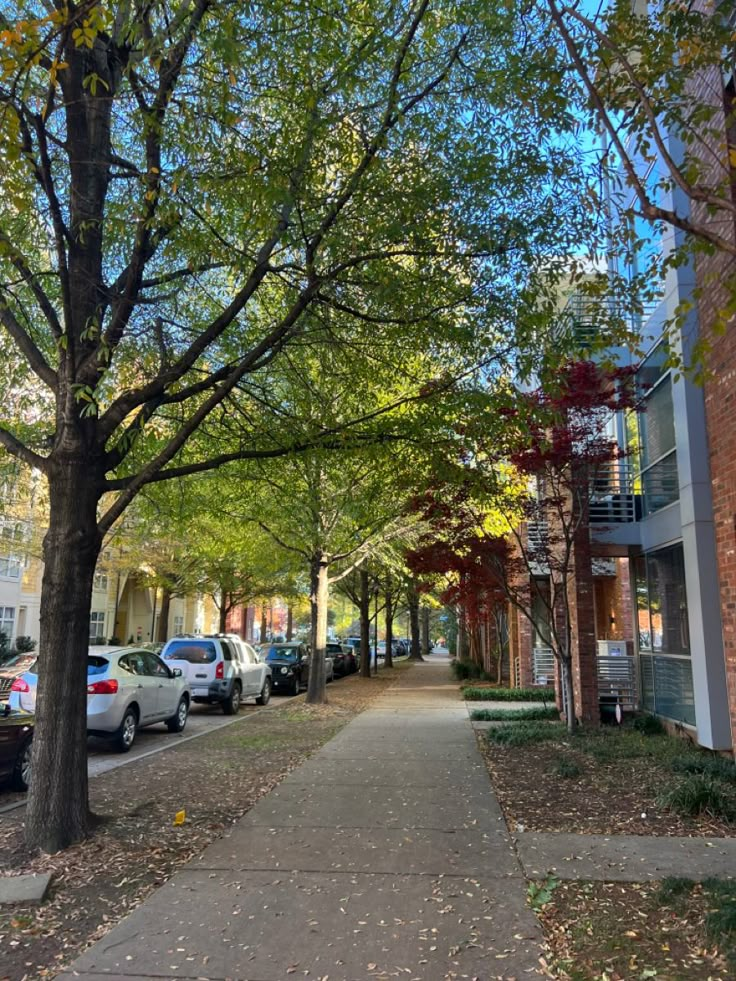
(221, 669)
(127, 688)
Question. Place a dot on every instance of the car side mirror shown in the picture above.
(176, 672)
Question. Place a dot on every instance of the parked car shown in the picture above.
(344, 659)
(221, 669)
(128, 688)
(16, 736)
(290, 663)
(11, 669)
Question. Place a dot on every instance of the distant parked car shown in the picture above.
(16, 735)
(343, 657)
(12, 668)
(221, 670)
(127, 688)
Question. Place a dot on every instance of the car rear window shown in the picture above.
(97, 665)
(193, 651)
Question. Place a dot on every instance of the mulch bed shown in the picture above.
(136, 847)
(626, 932)
(616, 796)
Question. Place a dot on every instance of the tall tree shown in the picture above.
(182, 184)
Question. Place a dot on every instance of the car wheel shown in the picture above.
(178, 721)
(265, 696)
(231, 705)
(296, 686)
(22, 770)
(125, 736)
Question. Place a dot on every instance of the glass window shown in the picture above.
(96, 625)
(658, 423)
(96, 665)
(663, 634)
(668, 602)
(7, 620)
(100, 583)
(154, 666)
(282, 654)
(11, 567)
(178, 626)
(193, 651)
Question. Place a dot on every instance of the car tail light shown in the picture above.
(20, 685)
(220, 670)
(103, 687)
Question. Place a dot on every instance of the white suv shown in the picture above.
(221, 669)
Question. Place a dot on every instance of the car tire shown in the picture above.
(265, 697)
(22, 769)
(125, 736)
(178, 720)
(295, 688)
(231, 705)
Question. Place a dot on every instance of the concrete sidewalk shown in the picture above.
(385, 855)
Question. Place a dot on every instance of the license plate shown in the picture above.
(200, 691)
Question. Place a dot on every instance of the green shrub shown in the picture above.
(468, 670)
(509, 694)
(514, 715)
(711, 766)
(567, 769)
(525, 733)
(699, 794)
(25, 644)
(649, 725)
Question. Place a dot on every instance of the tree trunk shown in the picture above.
(289, 622)
(364, 608)
(413, 601)
(425, 631)
(264, 623)
(569, 692)
(318, 597)
(462, 637)
(223, 611)
(163, 617)
(389, 659)
(58, 812)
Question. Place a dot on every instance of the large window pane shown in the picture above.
(673, 689)
(643, 625)
(668, 601)
(658, 423)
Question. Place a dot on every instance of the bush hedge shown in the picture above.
(515, 715)
(472, 694)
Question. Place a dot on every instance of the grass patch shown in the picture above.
(609, 745)
(258, 741)
(672, 889)
(567, 769)
(709, 766)
(472, 694)
(699, 794)
(720, 922)
(514, 715)
(525, 733)
(720, 919)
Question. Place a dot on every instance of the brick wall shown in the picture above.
(716, 278)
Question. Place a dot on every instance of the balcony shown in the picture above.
(586, 320)
(614, 499)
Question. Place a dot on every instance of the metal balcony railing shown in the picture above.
(613, 496)
(585, 318)
(543, 666)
